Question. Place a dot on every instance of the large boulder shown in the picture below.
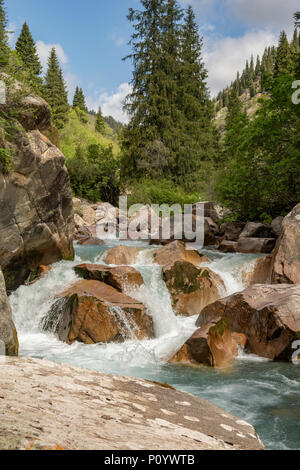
(269, 316)
(52, 406)
(212, 345)
(8, 333)
(191, 288)
(257, 230)
(276, 225)
(255, 245)
(232, 230)
(176, 251)
(121, 278)
(258, 272)
(227, 246)
(121, 255)
(36, 217)
(94, 312)
(286, 268)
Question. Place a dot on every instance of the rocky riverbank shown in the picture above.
(54, 406)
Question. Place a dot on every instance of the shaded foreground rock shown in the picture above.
(103, 412)
(93, 312)
(176, 251)
(212, 345)
(269, 316)
(286, 267)
(191, 288)
(8, 332)
(120, 278)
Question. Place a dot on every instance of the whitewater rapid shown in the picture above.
(30, 304)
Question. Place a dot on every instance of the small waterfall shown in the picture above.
(127, 326)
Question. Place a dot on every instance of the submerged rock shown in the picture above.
(121, 278)
(191, 288)
(39, 273)
(104, 412)
(286, 267)
(176, 251)
(93, 312)
(269, 316)
(8, 332)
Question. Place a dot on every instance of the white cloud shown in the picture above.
(12, 27)
(224, 57)
(44, 50)
(276, 14)
(118, 39)
(112, 105)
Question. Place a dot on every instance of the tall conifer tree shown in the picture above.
(100, 123)
(56, 91)
(26, 50)
(3, 35)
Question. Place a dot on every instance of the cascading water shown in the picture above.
(274, 388)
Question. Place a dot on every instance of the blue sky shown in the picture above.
(91, 38)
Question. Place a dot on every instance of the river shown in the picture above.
(264, 393)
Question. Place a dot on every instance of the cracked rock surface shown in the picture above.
(44, 405)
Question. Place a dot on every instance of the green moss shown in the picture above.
(183, 277)
(220, 327)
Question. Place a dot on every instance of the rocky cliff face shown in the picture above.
(8, 336)
(36, 209)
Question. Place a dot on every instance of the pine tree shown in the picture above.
(235, 108)
(145, 105)
(76, 98)
(100, 123)
(257, 68)
(283, 61)
(26, 50)
(199, 139)
(4, 51)
(79, 100)
(252, 69)
(56, 91)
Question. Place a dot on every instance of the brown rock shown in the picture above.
(212, 345)
(255, 245)
(39, 273)
(260, 273)
(286, 268)
(269, 316)
(90, 241)
(232, 231)
(256, 230)
(36, 217)
(121, 255)
(9, 344)
(93, 312)
(227, 246)
(277, 225)
(121, 278)
(240, 339)
(191, 288)
(176, 251)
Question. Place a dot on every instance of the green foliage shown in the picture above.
(79, 100)
(78, 133)
(261, 176)
(56, 92)
(6, 162)
(170, 134)
(26, 50)
(94, 174)
(163, 191)
(100, 124)
(4, 51)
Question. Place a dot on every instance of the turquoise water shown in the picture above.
(266, 394)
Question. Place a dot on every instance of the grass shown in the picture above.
(78, 133)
